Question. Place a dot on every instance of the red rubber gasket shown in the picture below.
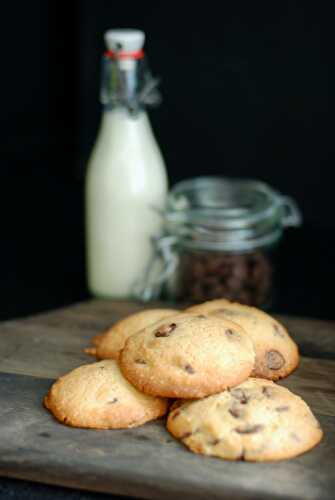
(139, 54)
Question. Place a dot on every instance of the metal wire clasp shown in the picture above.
(162, 266)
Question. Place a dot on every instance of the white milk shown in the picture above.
(126, 182)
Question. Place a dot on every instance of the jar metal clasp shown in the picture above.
(291, 215)
(166, 259)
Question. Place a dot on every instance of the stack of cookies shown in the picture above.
(218, 361)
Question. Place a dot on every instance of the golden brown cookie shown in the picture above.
(276, 353)
(109, 344)
(187, 356)
(256, 421)
(97, 396)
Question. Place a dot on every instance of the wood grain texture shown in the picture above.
(145, 462)
(314, 381)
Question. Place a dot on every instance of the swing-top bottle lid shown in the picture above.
(124, 40)
(127, 80)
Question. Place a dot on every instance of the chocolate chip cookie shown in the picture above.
(276, 353)
(256, 421)
(109, 344)
(187, 356)
(97, 396)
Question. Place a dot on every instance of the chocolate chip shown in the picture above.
(189, 369)
(201, 316)
(280, 409)
(295, 437)
(140, 361)
(240, 395)
(186, 435)
(114, 400)
(232, 334)
(249, 429)
(277, 331)
(235, 412)
(214, 442)
(267, 391)
(165, 330)
(274, 360)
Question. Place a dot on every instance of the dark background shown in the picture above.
(246, 93)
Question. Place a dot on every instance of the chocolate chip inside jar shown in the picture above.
(204, 275)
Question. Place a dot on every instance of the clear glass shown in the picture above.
(220, 240)
(232, 215)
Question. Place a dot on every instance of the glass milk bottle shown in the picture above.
(126, 182)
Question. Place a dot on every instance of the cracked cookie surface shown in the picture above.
(109, 344)
(276, 353)
(188, 356)
(255, 421)
(97, 396)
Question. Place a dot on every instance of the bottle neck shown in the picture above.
(127, 83)
(120, 115)
(120, 126)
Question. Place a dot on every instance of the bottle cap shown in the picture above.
(124, 40)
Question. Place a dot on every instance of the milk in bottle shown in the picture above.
(126, 182)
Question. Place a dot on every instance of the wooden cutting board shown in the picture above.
(145, 462)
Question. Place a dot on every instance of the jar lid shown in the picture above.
(218, 213)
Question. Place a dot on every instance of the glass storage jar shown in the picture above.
(219, 241)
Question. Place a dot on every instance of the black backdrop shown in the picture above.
(246, 93)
